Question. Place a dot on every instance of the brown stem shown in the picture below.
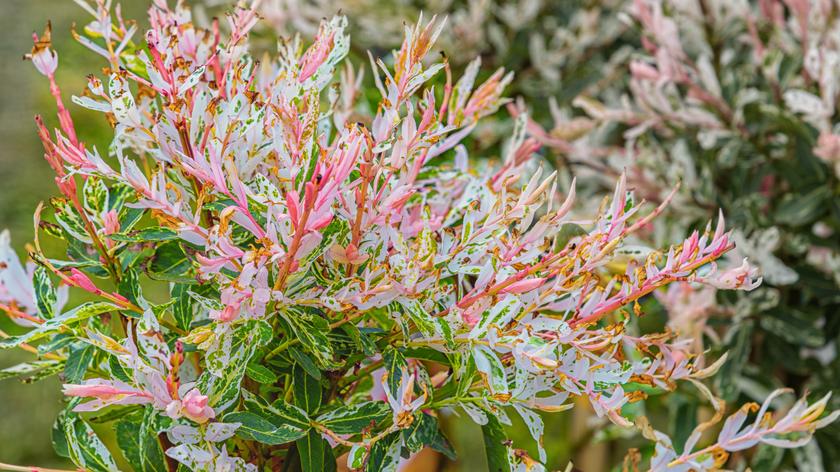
(33, 350)
(30, 468)
(290, 256)
(171, 464)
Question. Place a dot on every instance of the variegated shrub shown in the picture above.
(738, 101)
(334, 285)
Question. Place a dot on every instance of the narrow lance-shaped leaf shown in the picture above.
(352, 419)
(307, 391)
(495, 446)
(28, 371)
(492, 370)
(84, 446)
(258, 428)
(51, 326)
(315, 453)
(77, 363)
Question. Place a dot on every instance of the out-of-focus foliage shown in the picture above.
(559, 49)
(737, 101)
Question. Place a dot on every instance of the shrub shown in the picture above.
(737, 101)
(334, 285)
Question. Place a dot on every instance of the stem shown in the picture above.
(363, 372)
(290, 257)
(596, 315)
(168, 324)
(293, 341)
(495, 289)
(13, 312)
(333, 435)
(33, 350)
(281, 348)
(4, 466)
(170, 463)
(357, 223)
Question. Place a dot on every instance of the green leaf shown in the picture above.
(286, 413)
(95, 196)
(58, 438)
(118, 413)
(356, 457)
(307, 390)
(68, 218)
(361, 339)
(231, 347)
(171, 263)
(130, 257)
(132, 217)
(798, 209)
(118, 370)
(129, 287)
(429, 325)
(151, 453)
(426, 432)
(227, 364)
(394, 365)
(426, 354)
(464, 383)
(315, 453)
(385, 454)
(208, 303)
(161, 309)
(126, 435)
(84, 257)
(352, 419)
(77, 363)
(119, 193)
(51, 326)
(488, 363)
(567, 232)
(257, 428)
(312, 331)
(794, 327)
(260, 374)
(137, 437)
(808, 457)
(84, 447)
(260, 332)
(28, 372)
(497, 315)
(56, 342)
(738, 346)
(45, 293)
(182, 309)
(495, 446)
(156, 234)
(684, 421)
(767, 458)
(305, 362)
(279, 412)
